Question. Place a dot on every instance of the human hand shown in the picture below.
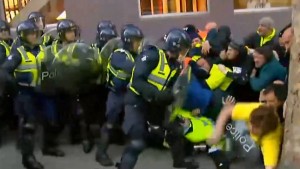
(205, 47)
(253, 73)
(278, 82)
(222, 68)
(230, 100)
(262, 98)
(223, 55)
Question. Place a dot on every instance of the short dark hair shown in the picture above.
(266, 51)
(280, 91)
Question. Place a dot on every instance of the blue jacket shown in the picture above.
(270, 72)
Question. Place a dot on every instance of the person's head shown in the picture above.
(210, 25)
(38, 18)
(177, 43)
(104, 35)
(193, 33)
(132, 37)
(275, 95)
(105, 24)
(280, 39)
(67, 30)
(262, 55)
(28, 32)
(266, 26)
(287, 38)
(4, 30)
(263, 120)
(233, 50)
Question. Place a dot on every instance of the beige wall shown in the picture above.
(88, 13)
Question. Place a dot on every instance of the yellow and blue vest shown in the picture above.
(27, 73)
(6, 46)
(160, 76)
(120, 74)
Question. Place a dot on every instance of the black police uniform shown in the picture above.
(24, 63)
(137, 106)
(93, 99)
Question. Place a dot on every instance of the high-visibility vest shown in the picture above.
(45, 39)
(159, 76)
(201, 128)
(218, 79)
(120, 74)
(27, 73)
(6, 46)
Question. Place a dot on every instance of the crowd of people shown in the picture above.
(185, 90)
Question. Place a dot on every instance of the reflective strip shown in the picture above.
(27, 66)
(129, 55)
(23, 53)
(6, 46)
(162, 59)
(158, 79)
(46, 38)
(119, 73)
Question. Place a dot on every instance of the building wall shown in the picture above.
(87, 13)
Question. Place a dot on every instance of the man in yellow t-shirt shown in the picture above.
(263, 124)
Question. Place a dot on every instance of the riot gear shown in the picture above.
(176, 40)
(64, 26)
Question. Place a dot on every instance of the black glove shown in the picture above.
(165, 97)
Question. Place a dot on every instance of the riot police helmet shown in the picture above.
(38, 18)
(105, 34)
(105, 24)
(177, 40)
(4, 26)
(25, 28)
(66, 25)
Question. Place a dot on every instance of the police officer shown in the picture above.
(4, 41)
(154, 74)
(6, 101)
(93, 99)
(68, 32)
(39, 20)
(120, 66)
(24, 64)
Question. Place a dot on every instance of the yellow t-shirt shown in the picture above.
(270, 144)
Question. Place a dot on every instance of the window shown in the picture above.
(255, 4)
(153, 7)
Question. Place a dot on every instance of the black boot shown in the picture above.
(53, 151)
(50, 148)
(220, 159)
(186, 164)
(101, 155)
(29, 162)
(87, 145)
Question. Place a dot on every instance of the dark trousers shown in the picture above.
(31, 107)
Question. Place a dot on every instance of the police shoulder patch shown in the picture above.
(144, 58)
(9, 57)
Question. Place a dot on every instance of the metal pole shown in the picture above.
(2, 10)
